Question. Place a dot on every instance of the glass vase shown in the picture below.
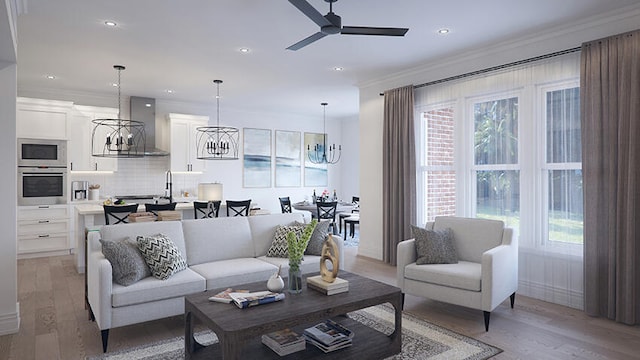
(294, 281)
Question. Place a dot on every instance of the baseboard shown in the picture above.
(10, 323)
(571, 298)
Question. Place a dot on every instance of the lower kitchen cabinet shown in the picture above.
(43, 230)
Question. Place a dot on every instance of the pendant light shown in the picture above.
(118, 138)
(320, 154)
(217, 142)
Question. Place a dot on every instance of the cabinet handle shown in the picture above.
(96, 166)
(71, 166)
(43, 221)
(43, 236)
(43, 207)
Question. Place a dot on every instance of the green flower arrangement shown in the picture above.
(297, 245)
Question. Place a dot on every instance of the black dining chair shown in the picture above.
(119, 213)
(285, 204)
(154, 208)
(327, 211)
(202, 210)
(238, 208)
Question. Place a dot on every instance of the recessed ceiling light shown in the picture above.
(147, 105)
(443, 31)
(338, 68)
(169, 91)
(110, 23)
(114, 84)
(51, 77)
(244, 50)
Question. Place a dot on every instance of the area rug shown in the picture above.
(420, 340)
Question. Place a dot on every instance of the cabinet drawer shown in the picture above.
(43, 212)
(48, 242)
(37, 227)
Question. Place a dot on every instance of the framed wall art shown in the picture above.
(257, 158)
(314, 174)
(288, 159)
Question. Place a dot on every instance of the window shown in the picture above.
(563, 171)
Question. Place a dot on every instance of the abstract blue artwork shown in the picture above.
(257, 158)
(288, 161)
(314, 174)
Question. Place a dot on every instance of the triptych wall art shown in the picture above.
(290, 152)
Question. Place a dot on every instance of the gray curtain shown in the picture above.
(399, 170)
(610, 110)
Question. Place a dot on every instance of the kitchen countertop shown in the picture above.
(95, 208)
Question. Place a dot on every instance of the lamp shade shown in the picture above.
(210, 192)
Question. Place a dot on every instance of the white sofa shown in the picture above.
(220, 252)
(485, 275)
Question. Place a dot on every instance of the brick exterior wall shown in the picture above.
(440, 184)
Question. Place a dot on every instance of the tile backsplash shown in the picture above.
(140, 176)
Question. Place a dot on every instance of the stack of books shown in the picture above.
(329, 336)
(168, 215)
(141, 217)
(224, 297)
(327, 288)
(284, 342)
(245, 300)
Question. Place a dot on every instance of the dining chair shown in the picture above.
(119, 213)
(154, 208)
(285, 204)
(327, 211)
(355, 200)
(238, 208)
(202, 210)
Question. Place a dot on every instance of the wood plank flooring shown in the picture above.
(54, 323)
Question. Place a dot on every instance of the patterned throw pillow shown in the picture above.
(317, 237)
(162, 255)
(127, 263)
(434, 246)
(279, 247)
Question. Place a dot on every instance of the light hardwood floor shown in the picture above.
(54, 323)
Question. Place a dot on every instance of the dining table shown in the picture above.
(309, 206)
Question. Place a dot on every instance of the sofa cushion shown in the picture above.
(162, 255)
(173, 230)
(463, 275)
(231, 273)
(128, 264)
(472, 236)
(279, 247)
(217, 239)
(434, 246)
(263, 228)
(151, 289)
(317, 237)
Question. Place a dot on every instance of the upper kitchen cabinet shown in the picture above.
(80, 135)
(42, 119)
(180, 141)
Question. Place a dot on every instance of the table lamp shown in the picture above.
(210, 192)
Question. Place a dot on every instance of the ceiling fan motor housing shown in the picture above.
(336, 24)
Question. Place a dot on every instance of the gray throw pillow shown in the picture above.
(279, 246)
(162, 255)
(434, 246)
(127, 263)
(317, 237)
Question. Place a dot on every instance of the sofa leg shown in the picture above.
(92, 316)
(402, 302)
(105, 339)
(513, 299)
(487, 314)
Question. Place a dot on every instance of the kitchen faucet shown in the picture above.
(169, 185)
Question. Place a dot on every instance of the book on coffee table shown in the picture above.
(245, 300)
(284, 342)
(223, 296)
(329, 336)
(338, 286)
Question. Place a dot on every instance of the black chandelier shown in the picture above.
(217, 142)
(321, 154)
(118, 137)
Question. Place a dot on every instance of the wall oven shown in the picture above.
(42, 186)
(42, 152)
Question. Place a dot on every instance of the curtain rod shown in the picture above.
(498, 67)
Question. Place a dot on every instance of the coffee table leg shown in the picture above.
(396, 336)
(190, 343)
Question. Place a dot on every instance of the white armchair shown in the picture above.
(486, 272)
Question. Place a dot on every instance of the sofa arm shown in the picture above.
(406, 252)
(99, 288)
(499, 275)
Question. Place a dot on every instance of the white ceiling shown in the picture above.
(184, 45)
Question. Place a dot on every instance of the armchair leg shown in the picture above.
(513, 299)
(487, 315)
(105, 339)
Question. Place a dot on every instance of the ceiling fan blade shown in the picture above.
(363, 30)
(302, 43)
(310, 12)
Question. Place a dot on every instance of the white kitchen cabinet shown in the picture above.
(80, 135)
(180, 141)
(43, 230)
(42, 119)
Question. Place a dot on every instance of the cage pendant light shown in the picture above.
(321, 154)
(118, 138)
(217, 142)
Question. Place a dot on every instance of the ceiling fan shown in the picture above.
(332, 24)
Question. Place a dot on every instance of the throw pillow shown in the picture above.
(127, 263)
(434, 246)
(162, 255)
(317, 237)
(279, 247)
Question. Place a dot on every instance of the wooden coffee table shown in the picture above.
(239, 330)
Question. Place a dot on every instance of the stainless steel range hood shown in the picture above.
(144, 109)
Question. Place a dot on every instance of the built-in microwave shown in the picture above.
(42, 186)
(42, 153)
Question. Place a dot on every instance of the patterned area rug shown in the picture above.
(420, 340)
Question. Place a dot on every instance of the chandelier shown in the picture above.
(117, 137)
(217, 142)
(320, 154)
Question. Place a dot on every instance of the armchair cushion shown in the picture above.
(434, 246)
